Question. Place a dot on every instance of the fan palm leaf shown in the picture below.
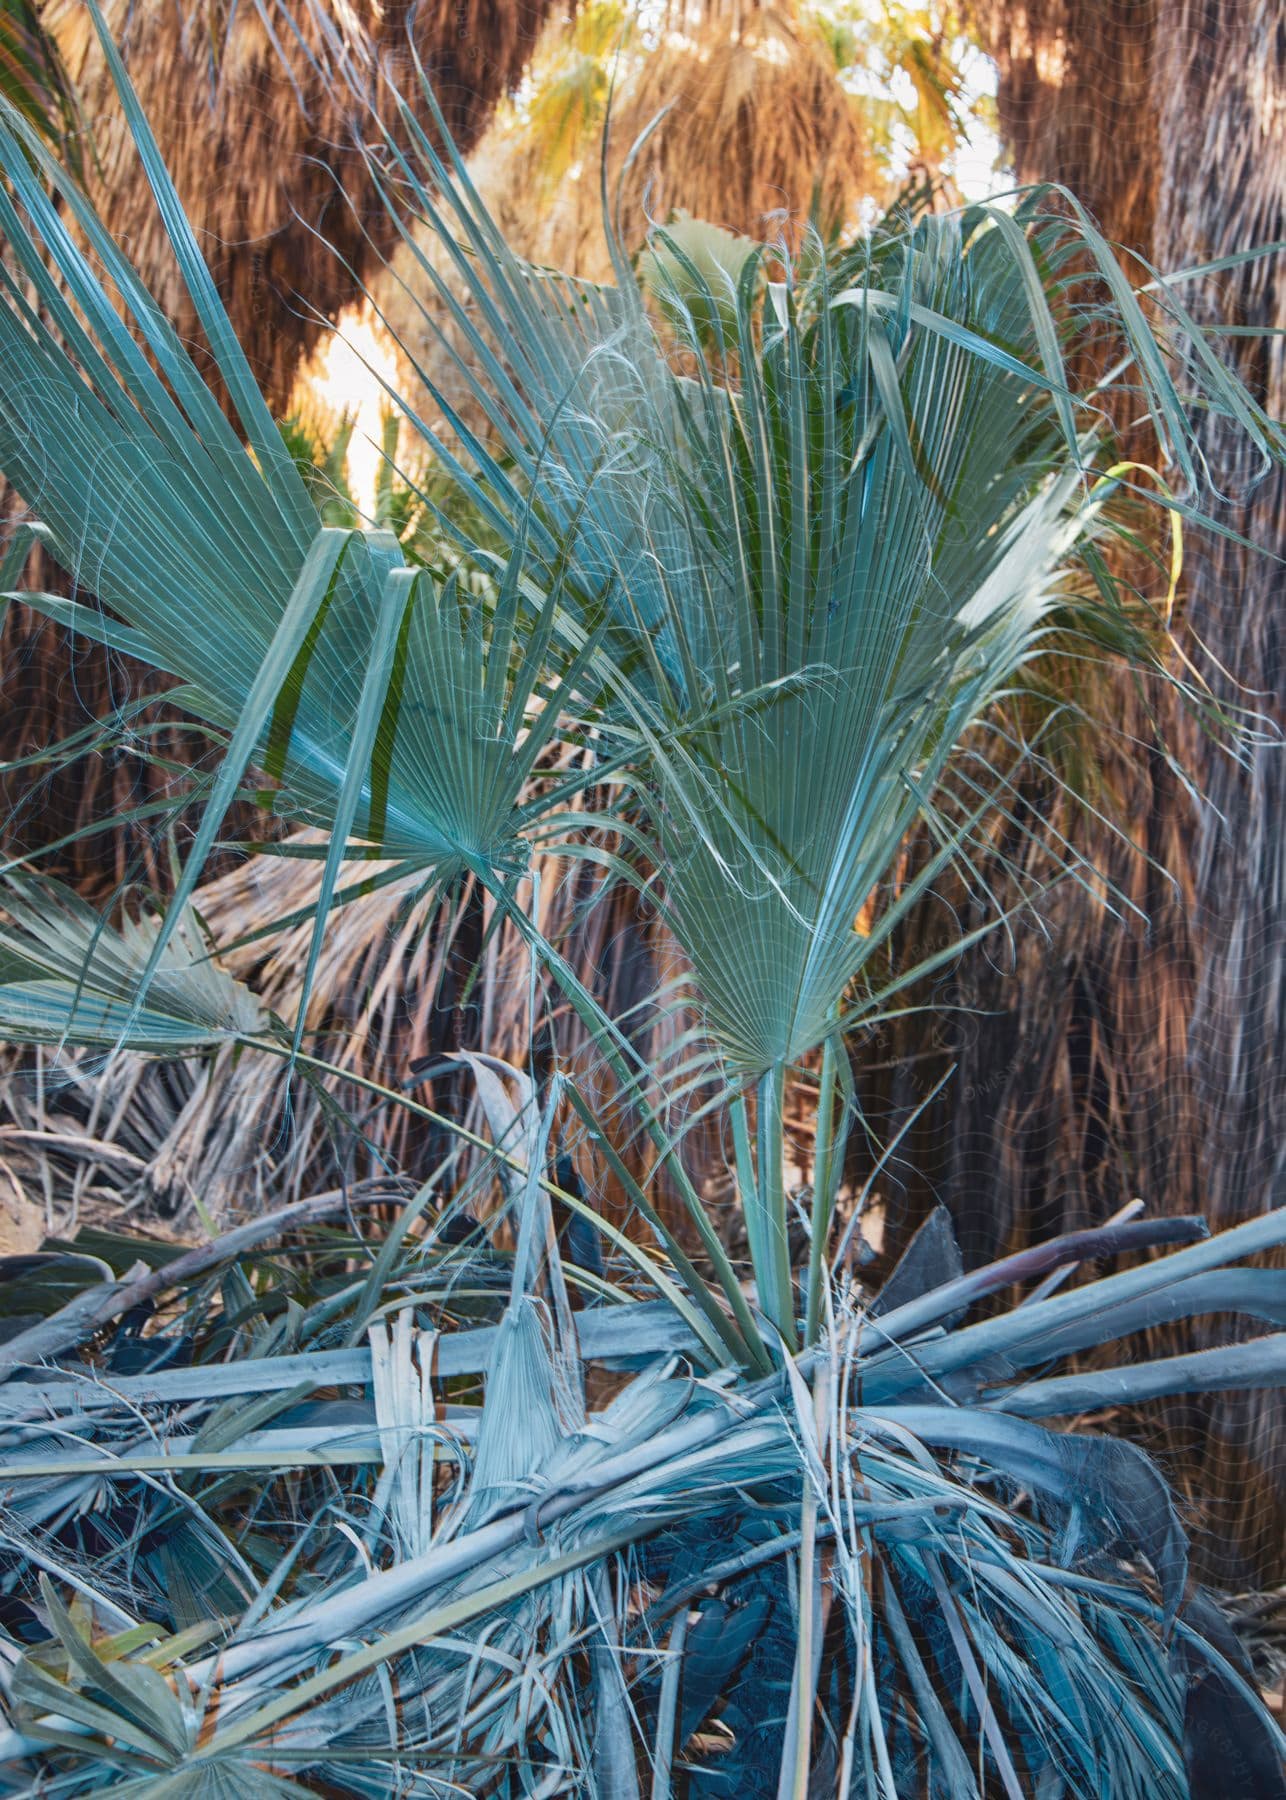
(66, 976)
(827, 556)
(383, 705)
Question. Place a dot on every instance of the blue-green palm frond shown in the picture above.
(835, 512)
(988, 1566)
(66, 976)
(206, 557)
(396, 713)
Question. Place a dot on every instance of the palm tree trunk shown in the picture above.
(1075, 101)
(1221, 87)
(1113, 1062)
(1223, 122)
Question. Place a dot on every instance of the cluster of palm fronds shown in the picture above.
(359, 1502)
(726, 600)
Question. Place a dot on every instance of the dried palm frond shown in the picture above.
(84, 1127)
(402, 982)
(759, 134)
(455, 1571)
(34, 78)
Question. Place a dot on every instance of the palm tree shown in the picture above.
(761, 594)
(1120, 1062)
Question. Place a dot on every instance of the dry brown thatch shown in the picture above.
(390, 992)
(259, 137)
(1222, 110)
(760, 131)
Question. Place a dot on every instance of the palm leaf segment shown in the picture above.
(883, 552)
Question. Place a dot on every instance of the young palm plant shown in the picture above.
(762, 567)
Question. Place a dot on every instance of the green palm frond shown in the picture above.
(824, 565)
(826, 546)
(894, 531)
(68, 977)
(393, 711)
